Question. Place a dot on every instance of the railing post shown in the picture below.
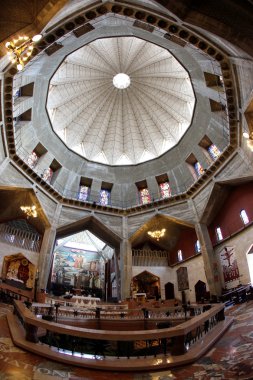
(31, 333)
(178, 345)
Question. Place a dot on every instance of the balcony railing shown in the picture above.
(19, 238)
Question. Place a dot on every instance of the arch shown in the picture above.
(169, 291)
(93, 225)
(147, 283)
(172, 225)
(200, 290)
(249, 256)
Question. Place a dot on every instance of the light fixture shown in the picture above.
(157, 234)
(121, 81)
(20, 50)
(29, 211)
(249, 137)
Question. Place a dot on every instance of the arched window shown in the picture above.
(219, 234)
(244, 217)
(197, 247)
(179, 255)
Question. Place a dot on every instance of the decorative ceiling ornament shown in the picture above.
(157, 234)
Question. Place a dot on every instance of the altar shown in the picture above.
(85, 301)
(140, 297)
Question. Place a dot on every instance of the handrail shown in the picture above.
(29, 318)
(162, 347)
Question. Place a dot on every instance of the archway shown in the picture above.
(249, 256)
(147, 283)
(169, 291)
(85, 261)
(200, 291)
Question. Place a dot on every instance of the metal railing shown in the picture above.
(19, 238)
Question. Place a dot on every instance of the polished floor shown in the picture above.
(230, 358)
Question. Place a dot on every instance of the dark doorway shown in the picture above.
(169, 291)
(200, 291)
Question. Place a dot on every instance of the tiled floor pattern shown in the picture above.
(231, 358)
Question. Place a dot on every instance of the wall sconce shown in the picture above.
(19, 50)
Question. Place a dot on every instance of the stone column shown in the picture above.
(207, 251)
(4, 165)
(153, 188)
(95, 190)
(46, 251)
(210, 261)
(125, 261)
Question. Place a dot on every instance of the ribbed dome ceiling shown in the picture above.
(120, 126)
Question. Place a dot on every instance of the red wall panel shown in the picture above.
(228, 217)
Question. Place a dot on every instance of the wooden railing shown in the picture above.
(124, 342)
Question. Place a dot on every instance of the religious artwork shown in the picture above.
(18, 271)
(144, 196)
(182, 279)
(32, 159)
(229, 264)
(84, 192)
(165, 190)
(198, 169)
(213, 151)
(77, 268)
(105, 196)
(47, 175)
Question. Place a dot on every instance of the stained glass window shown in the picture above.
(197, 247)
(32, 159)
(144, 196)
(244, 217)
(179, 255)
(84, 192)
(105, 197)
(198, 169)
(165, 190)
(47, 175)
(219, 234)
(213, 151)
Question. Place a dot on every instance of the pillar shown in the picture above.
(46, 251)
(210, 262)
(125, 262)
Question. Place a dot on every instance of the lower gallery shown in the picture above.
(126, 189)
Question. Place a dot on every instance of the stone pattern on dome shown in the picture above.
(120, 126)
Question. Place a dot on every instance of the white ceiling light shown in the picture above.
(121, 81)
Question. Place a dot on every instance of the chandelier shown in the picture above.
(29, 211)
(157, 234)
(20, 50)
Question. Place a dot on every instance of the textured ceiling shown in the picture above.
(120, 126)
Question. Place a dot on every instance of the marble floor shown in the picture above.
(231, 358)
